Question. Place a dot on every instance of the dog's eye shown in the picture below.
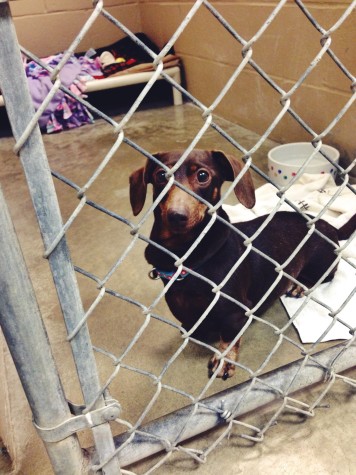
(160, 177)
(203, 176)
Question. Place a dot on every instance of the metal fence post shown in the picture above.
(33, 157)
(26, 337)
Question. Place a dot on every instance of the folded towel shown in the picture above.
(314, 319)
(310, 194)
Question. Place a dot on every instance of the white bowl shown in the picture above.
(286, 160)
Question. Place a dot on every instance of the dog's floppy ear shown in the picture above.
(244, 190)
(138, 189)
(139, 180)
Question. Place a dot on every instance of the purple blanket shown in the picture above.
(63, 112)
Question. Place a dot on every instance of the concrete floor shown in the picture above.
(322, 445)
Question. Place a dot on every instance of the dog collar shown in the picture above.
(166, 275)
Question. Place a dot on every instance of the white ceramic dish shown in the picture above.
(286, 160)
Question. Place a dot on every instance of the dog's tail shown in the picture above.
(347, 229)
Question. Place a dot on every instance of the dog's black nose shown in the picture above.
(177, 219)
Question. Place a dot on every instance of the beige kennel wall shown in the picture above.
(48, 26)
(210, 56)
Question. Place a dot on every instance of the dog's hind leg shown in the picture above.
(295, 291)
(317, 268)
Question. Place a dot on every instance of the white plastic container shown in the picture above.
(285, 161)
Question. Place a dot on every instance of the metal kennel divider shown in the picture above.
(56, 426)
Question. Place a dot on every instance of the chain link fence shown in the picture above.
(119, 441)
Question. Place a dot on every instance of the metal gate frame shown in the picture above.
(34, 161)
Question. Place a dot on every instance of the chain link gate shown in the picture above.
(204, 411)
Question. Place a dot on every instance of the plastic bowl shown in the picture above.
(286, 160)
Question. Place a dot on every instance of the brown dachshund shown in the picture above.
(180, 218)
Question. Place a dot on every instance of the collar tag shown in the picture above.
(156, 274)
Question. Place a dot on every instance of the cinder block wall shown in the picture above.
(46, 27)
(210, 55)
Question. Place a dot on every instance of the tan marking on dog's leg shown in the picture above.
(227, 369)
(295, 291)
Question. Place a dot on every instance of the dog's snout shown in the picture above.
(177, 218)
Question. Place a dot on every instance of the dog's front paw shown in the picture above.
(225, 369)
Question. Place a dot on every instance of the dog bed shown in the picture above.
(120, 64)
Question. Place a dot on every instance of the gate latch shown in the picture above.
(79, 422)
